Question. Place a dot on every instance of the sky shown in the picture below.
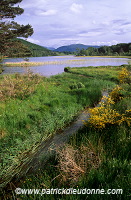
(92, 22)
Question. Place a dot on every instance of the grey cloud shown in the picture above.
(91, 30)
(118, 21)
(121, 22)
(120, 31)
(126, 23)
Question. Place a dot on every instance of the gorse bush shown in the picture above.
(124, 76)
(116, 93)
(106, 114)
(103, 115)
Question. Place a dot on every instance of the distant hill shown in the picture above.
(73, 47)
(50, 48)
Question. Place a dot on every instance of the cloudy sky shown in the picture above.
(92, 22)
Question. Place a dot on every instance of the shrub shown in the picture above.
(77, 85)
(105, 115)
(20, 86)
(124, 76)
(116, 94)
(67, 69)
(73, 86)
(80, 85)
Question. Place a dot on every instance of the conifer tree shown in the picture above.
(9, 29)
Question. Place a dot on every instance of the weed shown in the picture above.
(20, 86)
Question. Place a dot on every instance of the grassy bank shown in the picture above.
(29, 117)
(108, 72)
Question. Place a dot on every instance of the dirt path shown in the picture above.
(47, 148)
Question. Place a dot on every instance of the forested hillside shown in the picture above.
(23, 48)
(122, 49)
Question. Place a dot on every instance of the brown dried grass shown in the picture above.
(73, 163)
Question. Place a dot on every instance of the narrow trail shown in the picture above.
(48, 148)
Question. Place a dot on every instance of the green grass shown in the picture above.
(52, 105)
(102, 72)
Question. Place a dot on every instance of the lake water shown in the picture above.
(55, 64)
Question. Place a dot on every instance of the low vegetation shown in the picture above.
(96, 157)
(1, 70)
(33, 107)
(1, 58)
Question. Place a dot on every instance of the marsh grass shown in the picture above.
(93, 158)
(28, 116)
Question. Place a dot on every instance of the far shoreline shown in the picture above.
(129, 57)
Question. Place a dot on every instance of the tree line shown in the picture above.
(122, 49)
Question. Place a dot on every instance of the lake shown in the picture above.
(55, 64)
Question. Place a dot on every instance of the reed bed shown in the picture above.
(55, 62)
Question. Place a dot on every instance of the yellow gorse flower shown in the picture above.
(100, 116)
(124, 75)
(115, 95)
(105, 114)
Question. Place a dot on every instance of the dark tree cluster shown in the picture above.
(122, 49)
